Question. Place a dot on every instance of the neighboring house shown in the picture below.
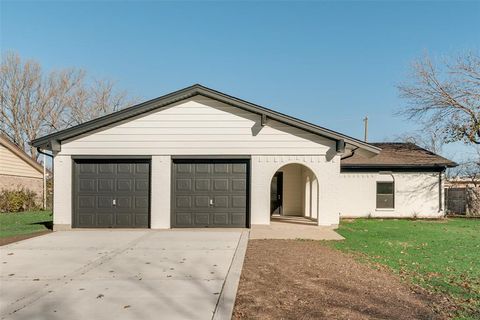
(18, 170)
(200, 158)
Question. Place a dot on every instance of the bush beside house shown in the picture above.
(18, 200)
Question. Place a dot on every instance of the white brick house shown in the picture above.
(200, 158)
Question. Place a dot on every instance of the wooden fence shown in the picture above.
(456, 200)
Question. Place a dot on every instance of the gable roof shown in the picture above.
(166, 100)
(397, 155)
(5, 141)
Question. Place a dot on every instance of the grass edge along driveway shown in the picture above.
(442, 256)
(24, 223)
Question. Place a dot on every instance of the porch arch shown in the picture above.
(297, 194)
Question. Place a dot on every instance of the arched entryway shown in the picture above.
(294, 192)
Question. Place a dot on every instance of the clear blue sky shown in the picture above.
(330, 63)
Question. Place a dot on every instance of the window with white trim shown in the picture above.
(385, 195)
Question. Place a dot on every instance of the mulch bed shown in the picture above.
(291, 279)
(12, 239)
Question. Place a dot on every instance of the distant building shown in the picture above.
(18, 170)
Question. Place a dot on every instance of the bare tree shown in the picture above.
(427, 139)
(96, 100)
(34, 103)
(447, 98)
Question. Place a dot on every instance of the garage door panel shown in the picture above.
(105, 168)
(239, 201)
(239, 168)
(202, 218)
(183, 219)
(202, 184)
(87, 185)
(88, 168)
(142, 168)
(218, 197)
(221, 167)
(141, 219)
(123, 219)
(86, 202)
(124, 185)
(141, 202)
(141, 185)
(105, 185)
(237, 219)
(202, 168)
(87, 220)
(105, 220)
(105, 202)
(124, 168)
(239, 184)
(111, 193)
(220, 202)
(184, 202)
(124, 203)
(183, 168)
(220, 219)
(202, 201)
(183, 185)
(220, 184)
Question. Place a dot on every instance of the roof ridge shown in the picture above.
(188, 92)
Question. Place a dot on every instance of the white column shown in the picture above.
(160, 193)
(62, 194)
(260, 190)
(329, 195)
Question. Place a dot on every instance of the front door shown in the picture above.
(276, 195)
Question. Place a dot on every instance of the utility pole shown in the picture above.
(365, 121)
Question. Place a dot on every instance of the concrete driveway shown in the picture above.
(112, 274)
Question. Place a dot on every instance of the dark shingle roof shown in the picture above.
(397, 155)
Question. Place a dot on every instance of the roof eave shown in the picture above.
(21, 154)
(188, 93)
(398, 166)
(121, 115)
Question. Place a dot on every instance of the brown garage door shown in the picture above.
(210, 193)
(111, 193)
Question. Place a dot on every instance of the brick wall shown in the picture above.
(16, 182)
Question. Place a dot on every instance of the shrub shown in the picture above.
(17, 200)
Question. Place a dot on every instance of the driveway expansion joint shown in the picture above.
(181, 274)
(60, 282)
(226, 299)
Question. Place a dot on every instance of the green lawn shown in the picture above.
(12, 224)
(441, 256)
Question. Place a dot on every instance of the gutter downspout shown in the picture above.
(351, 154)
(441, 198)
(44, 153)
